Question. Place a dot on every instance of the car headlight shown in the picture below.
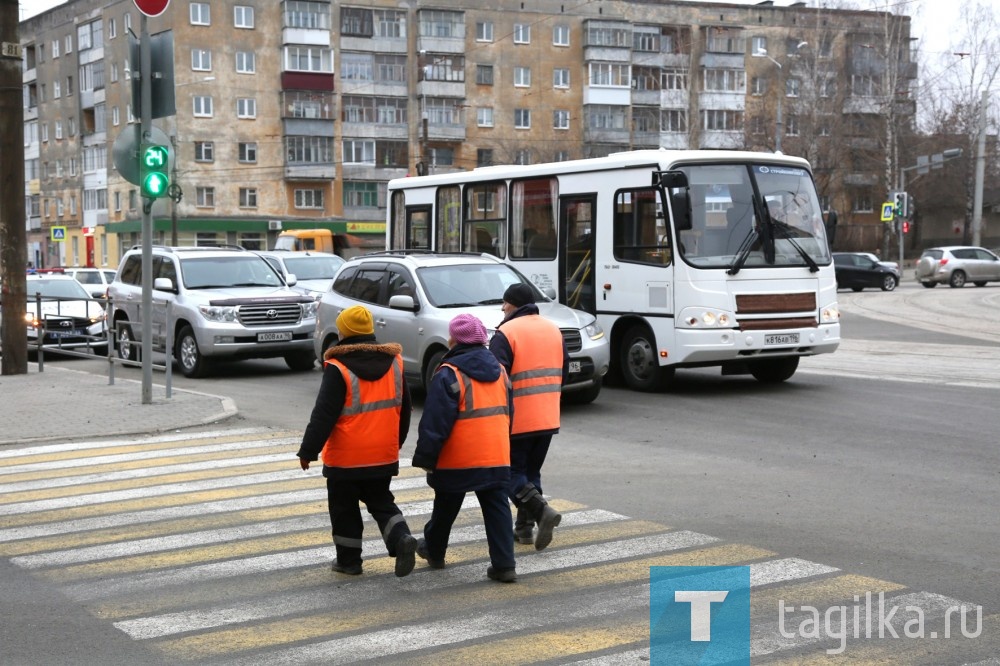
(309, 309)
(31, 320)
(218, 312)
(594, 330)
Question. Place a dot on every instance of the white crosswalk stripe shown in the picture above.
(204, 545)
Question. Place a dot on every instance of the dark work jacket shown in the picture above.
(500, 346)
(440, 413)
(369, 360)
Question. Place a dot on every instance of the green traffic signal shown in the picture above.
(153, 163)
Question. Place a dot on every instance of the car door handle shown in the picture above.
(380, 323)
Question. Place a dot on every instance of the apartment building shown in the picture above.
(296, 113)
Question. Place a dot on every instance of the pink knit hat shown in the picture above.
(467, 329)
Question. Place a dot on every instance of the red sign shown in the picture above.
(152, 8)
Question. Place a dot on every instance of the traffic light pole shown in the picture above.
(145, 133)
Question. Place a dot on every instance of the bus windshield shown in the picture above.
(746, 216)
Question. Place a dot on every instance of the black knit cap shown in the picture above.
(518, 294)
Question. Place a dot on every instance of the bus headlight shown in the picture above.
(706, 318)
(830, 314)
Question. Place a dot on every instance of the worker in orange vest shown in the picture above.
(359, 423)
(464, 444)
(532, 350)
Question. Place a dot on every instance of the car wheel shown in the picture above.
(189, 357)
(639, 365)
(432, 366)
(957, 280)
(979, 284)
(128, 350)
(888, 283)
(775, 370)
(301, 361)
(929, 285)
(584, 396)
(856, 289)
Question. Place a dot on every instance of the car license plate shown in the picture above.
(277, 336)
(65, 334)
(781, 339)
(574, 367)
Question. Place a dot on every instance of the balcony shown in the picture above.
(310, 171)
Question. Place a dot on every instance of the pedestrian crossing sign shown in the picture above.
(58, 233)
(888, 211)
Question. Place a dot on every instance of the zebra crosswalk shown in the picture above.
(214, 548)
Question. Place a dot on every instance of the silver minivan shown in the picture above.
(955, 265)
(414, 296)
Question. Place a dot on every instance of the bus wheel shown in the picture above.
(775, 370)
(639, 364)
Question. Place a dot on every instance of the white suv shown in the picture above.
(414, 296)
(218, 303)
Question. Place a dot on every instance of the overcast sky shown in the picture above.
(933, 20)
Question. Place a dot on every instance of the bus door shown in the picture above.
(576, 254)
(418, 227)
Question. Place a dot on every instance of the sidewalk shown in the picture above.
(63, 404)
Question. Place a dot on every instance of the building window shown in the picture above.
(560, 119)
(390, 23)
(522, 33)
(309, 149)
(484, 157)
(523, 156)
(112, 28)
(56, 90)
(607, 36)
(201, 60)
(725, 80)
(201, 14)
(484, 31)
(522, 118)
(758, 85)
(242, 16)
(309, 59)
(560, 35)
(205, 197)
(441, 24)
(308, 15)
(55, 48)
(246, 62)
(248, 152)
(792, 125)
(522, 77)
(646, 40)
(792, 88)
(484, 116)
(248, 197)
(758, 47)
(361, 194)
(562, 156)
(310, 198)
(863, 202)
(202, 105)
(246, 107)
(610, 75)
(484, 75)
(356, 22)
(445, 68)
(442, 156)
(673, 120)
(204, 151)
(722, 120)
(59, 131)
(560, 77)
(118, 202)
(359, 151)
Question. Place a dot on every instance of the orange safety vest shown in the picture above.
(367, 432)
(480, 436)
(536, 373)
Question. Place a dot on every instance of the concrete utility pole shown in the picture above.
(13, 248)
(977, 205)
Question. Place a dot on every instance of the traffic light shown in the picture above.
(902, 204)
(153, 165)
(906, 226)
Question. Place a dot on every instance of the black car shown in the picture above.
(857, 270)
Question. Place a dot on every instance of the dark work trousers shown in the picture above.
(345, 515)
(527, 454)
(496, 518)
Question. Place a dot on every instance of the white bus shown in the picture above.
(687, 258)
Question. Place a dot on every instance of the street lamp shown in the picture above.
(762, 52)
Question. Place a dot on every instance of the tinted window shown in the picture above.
(365, 286)
(88, 277)
(842, 260)
(131, 269)
(343, 281)
(964, 254)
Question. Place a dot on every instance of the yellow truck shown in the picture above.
(324, 240)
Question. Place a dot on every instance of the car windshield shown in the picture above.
(463, 285)
(314, 267)
(57, 289)
(247, 270)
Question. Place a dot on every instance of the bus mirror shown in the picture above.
(681, 205)
(670, 179)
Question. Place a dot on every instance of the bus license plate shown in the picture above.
(574, 367)
(279, 336)
(781, 339)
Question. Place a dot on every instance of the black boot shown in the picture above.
(524, 527)
(540, 511)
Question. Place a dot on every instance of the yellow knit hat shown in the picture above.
(355, 320)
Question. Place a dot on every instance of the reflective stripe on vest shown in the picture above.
(367, 432)
(481, 434)
(536, 373)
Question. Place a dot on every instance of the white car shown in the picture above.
(313, 271)
(61, 310)
(413, 297)
(94, 280)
